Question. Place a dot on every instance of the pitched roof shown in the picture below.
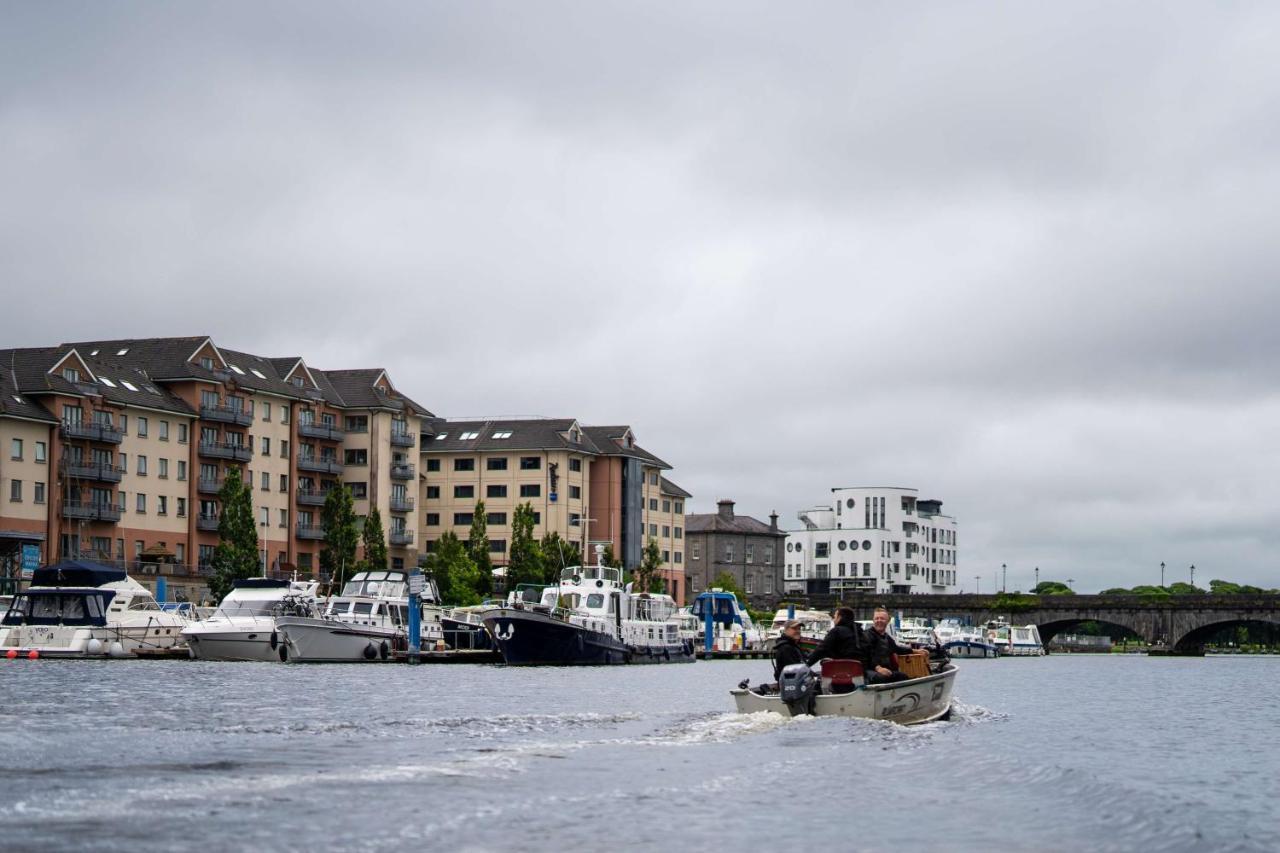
(116, 382)
(358, 389)
(524, 434)
(669, 488)
(14, 405)
(713, 522)
(608, 439)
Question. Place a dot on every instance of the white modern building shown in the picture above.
(872, 539)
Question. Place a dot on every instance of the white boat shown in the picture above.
(367, 621)
(815, 625)
(1015, 640)
(243, 628)
(965, 641)
(920, 700)
(915, 631)
(731, 624)
(86, 610)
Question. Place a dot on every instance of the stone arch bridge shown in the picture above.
(1179, 622)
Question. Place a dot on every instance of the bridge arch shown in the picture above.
(1051, 627)
(1201, 634)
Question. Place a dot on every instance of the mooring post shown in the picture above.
(415, 615)
(791, 611)
(162, 589)
(708, 623)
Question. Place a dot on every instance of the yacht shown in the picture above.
(965, 641)
(732, 627)
(589, 618)
(915, 630)
(367, 621)
(78, 609)
(244, 625)
(1015, 640)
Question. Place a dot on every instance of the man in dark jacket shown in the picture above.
(786, 649)
(880, 649)
(844, 640)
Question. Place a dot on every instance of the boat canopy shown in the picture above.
(59, 607)
(76, 573)
(725, 609)
(259, 583)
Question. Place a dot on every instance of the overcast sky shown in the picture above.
(1020, 256)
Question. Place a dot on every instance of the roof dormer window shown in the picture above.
(70, 374)
(206, 362)
(467, 436)
(297, 381)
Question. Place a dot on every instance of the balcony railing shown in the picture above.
(90, 511)
(310, 531)
(325, 432)
(402, 439)
(401, 504)
(320, 464)
(312, 497)
(90, 470)
(402, 471)
(221, 450)
(209, 485)
(92, 432)
(227, 415)
(400, 537)
(207, 522)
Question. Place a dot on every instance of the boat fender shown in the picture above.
(94, 647)
(284, 653)
(275, 641)
(599, 583)
(116, 649)
(370, 652)
(33, 654)
(383, 650)
(666, 654)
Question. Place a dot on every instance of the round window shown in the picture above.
(849, 503)
(842, 545)
(799, 546)
(866, 544)
(790, 545)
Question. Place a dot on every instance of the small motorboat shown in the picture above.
(731, 624)
(965, 641)
(908, 703)
(244, 626)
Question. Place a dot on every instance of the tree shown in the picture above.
(525, 564)
(726, 582)
(338, 555)
(1182, 588)
(647, 577)
(455, 573)
(236, 556)
(1052, 588)
(557, 554)
(609, 559)
(375, 543)
(478, 547)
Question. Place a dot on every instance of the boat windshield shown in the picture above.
(595, 601)
(377, 584)
(58, 608)
(577, 574)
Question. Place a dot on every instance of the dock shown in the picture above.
(179, 653)
(734, 654)
(452, 656)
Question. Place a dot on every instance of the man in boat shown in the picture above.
(880, 649)
(844, 640)
(786, 649)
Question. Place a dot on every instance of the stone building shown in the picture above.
(747, 548)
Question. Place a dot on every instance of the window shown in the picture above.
(575, 493)
(182, 469)
(531, 490)
(502, 433)
(679, 509)
(41, 452)
(653, 504)
(728, 552)
(575, 519)
(653, 478)
(266, 446)
(493, 491)
(496, 518)
(141, 505)
(464, 491)
(284, 448)
(537, 518)
(266, 412)
(821, 550)
(284, 414)
(121, 499)
(38, 493)
(496, 463)
(468, 436)
(666, 556)
(164, 469)
(284, 482)
(497, 546)
(666, 506)
(266, 481)
(433, 492)
(70, 374)
(182, 509)
(164, 430)
(359, 491)
(15, 448)
(768, 552)
(162, 505)
(357, 423)
(695, 550)
(666, 534)
(264, 515)
(530, 463)
(15, 491)
(575, 464)
(433, 519)
(462, 517)
(182, 433)
(356, 456)
(284, 517)
(433, 464)
(142, 427)
(142, 466)
(464, 464)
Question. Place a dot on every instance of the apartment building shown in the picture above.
(873, 540)
(591, 485)
(745, 547)
(144, 431)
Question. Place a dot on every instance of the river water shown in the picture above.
(1056, 753)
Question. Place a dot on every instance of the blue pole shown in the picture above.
(162, 589)
(415, 615)
(791, 612)
(708, 604)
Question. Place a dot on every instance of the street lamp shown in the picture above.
(1193, 575)
(1070, 581)
(977, 584)
(1162, 574)
(1037, 577)
(1004, 578)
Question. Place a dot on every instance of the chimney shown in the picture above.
(724, 508)
(773, 521)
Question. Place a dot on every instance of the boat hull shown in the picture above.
(920, 700)
(260, 643)
(310, 640)
(970, 649)
(527, 638)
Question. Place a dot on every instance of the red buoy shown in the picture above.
(33, 654)
(11, 654)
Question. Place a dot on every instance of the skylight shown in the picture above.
(467, 436)
(105, 381)
(502, 434)
(128, 385)
(17, 399)
(154, 390)
(257, 373)
(95, 352)
(442, 436)
(122, 351)
(237, 370)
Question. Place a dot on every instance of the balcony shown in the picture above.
(403, 503)
(402, 439)
(209, 485)
(207, 523)
(324, 432)
(227, 415)
(319, 464)
(310, 531)
(88, 511)
(403, 471)
(400, 537)
(92, 432)
(89, 470)
(312, 497)
(220, 450)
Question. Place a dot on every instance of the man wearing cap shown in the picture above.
(786, 649)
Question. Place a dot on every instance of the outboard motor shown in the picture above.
(798, 688)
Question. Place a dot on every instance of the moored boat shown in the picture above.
(965, 641)
(731, 624)
(243, 628)
(814, 626)
(1015, 640)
